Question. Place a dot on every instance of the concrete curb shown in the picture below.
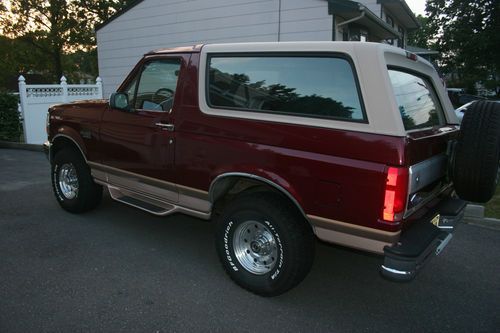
(474, 214)
(18, 145)
(487, 222)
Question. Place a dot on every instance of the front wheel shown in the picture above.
(264, 244)
(73, 186)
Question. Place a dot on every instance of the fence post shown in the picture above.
(64, 86)
(22, 107)
(98, 83)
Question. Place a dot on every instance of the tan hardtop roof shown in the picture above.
(278, 46)
(181, 49)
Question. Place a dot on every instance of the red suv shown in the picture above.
(354, 143)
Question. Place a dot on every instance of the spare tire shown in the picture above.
(475, 167)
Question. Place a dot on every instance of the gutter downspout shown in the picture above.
(352, 20)
(279, 20)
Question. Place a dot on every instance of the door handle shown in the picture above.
(168, 127)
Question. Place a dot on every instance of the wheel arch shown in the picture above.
(62, 140)
(227, 182)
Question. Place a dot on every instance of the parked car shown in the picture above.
(454, 94)
(458, 97)
(459, 112)
(466, 98)
(353, 143)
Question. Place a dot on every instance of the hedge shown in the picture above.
(10, 124)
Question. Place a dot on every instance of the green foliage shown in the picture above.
(81, 65)
(421, 37)
(467, 35)
(492, 208)
(18, 57)
(53, 29)
(10, 125)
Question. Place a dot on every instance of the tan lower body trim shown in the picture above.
(350, 235)
(190, 200)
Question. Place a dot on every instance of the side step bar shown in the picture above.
(149, 205)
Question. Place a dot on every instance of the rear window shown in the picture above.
(416, 99)
(323, 87)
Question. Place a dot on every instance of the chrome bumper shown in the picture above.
(422, 241)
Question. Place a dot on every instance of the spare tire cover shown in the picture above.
(475, 168)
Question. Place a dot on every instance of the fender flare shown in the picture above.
(78, 142)
(217, 180)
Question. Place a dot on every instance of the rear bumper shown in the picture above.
(422, 241)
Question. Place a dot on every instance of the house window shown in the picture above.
(401, 39)
(345, 34)
(389, 21)
(358, 33)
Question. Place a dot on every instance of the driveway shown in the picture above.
(121, 269)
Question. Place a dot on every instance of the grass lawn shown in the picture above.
(492, 208)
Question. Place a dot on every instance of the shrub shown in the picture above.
(10, 124)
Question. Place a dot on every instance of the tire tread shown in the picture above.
(477, 152)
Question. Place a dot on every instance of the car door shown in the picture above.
(137, 143)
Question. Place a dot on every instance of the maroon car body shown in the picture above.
(336, 178)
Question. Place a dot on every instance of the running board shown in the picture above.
(149, 205)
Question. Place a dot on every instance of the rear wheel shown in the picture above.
(264, 244)
(73, 186)
(476, 162)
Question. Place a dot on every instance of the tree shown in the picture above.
(18, 57)
(49, 26)
(467, 38)
(57, 27)
(422, 37)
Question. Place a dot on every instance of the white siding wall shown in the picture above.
(372, 5)
(156, 24)
(305, 20)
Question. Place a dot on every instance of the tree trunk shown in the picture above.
(58, 70)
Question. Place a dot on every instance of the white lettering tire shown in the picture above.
(264, 244)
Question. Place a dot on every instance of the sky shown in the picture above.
(418, 6)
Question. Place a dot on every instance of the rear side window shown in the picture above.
(323, 87)
(417, 100)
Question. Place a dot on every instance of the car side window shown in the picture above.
(417, 100)
(283, 85)
(156, 85)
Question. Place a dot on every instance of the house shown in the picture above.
(152, 24)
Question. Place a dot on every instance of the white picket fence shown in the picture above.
(35, 99)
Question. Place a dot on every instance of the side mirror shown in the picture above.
(119, 101)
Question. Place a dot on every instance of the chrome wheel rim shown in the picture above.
(255, 247)
(68, 181)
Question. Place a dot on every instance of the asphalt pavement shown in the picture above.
(118, 269)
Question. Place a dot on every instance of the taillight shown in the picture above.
(395, 194)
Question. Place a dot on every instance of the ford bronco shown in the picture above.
(353, 143)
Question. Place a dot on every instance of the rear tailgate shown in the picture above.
(428, 156)
(429, 128)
